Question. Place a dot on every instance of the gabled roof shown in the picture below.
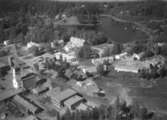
(9, 93)
(65, 94)
(73, 100)
(25, 103)
(102, 46)
(60, 96)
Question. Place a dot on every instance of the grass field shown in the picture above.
(132, 88)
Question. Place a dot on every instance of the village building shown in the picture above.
(126, 68)
(131, 65)
(98, 61)
(88, 69)
(69, 57)
(74, 43)
(37, 62)
(74, 101)
(42, 86)
(138, 56)
(29, 81)
(121, 56)
(67, 98)
(82, 107)
(102, 48)
(26, 105)
(31, 44)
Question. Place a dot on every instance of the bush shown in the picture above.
(153, 72)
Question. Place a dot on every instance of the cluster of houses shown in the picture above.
(128, 63)
(71, 98)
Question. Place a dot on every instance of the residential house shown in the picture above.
(102, 48)
(138, 56)
(98, 61)
(88, 69)
(31, 44)
(121, 56)
(69, 57)
(29, 81)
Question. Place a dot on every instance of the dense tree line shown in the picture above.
(18, 14)
(151, 8)
(149, 48)
(23, 20)
(155, 71)
(155, 8)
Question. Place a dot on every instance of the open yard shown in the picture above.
(131, 88)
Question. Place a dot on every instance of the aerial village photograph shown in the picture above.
(83, 59)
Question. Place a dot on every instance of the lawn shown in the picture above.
(132, 88)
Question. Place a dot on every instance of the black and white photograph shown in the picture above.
(83, 59)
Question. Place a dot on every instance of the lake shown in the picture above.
(121, 32)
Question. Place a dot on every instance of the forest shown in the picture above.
(18, 16)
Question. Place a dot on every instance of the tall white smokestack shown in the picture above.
(14, 80)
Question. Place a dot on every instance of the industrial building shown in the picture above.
(27, 105)
(74, 101)
(67, 98)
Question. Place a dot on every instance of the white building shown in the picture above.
(74, 43)
(122, 55)
(132, 69)
(138, 56)
(111, 59)
(89, 69)
(69, 57)
(130, 65)
(31, 44)
(98, 61)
